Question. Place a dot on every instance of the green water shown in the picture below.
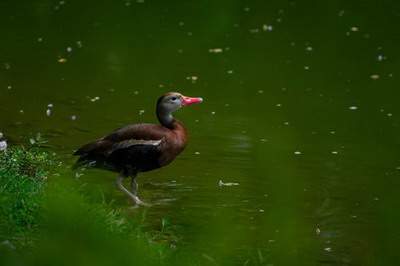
(301, 109)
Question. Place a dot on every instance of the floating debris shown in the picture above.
(95, 99)
(380, 58)
(228, 184)
(266, 27)
(309, 49)
(353, 108)
(334, 152)
(213, 113)
(278, 105)
(260, 91)
(328, 249)
(229, 71)
(317, 231)
(50, 105)
(341, 13)
(298, 153)
(73, 117)
(261, 210)
(79, 44)
(197, 153)
(69, 49)
(192, 78)
(48, 112)
(62, 60)
(40, 39)
(263, 140)
(354, 29)
(374, 76)
(9, 87)
(3, 143)
(306, 68)
(141, 112)
(215, 50)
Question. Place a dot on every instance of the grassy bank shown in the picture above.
(49, 220)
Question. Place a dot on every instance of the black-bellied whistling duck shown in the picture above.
(140, 147)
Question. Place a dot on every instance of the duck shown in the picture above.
(142, 147)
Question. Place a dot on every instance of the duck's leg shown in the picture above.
(120, 185)
(134, 190)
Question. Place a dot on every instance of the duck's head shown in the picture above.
(169, 103)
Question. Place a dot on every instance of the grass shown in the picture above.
(49, 220)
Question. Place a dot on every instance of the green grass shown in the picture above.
(47, 219)
(23, 175)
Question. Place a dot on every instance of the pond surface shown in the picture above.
(301, 110)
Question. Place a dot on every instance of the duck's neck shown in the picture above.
(165, 117)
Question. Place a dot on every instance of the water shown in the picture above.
(301, 110)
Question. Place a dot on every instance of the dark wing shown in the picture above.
(135, 147)
(137, 132)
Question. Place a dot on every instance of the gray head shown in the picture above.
(169, 103)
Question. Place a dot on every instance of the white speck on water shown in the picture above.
(48, 112)
(263, 140)
(341, 13)
(3, 145)
(266, 27)
(228, 184)
(309, 49)
(140, 1)
(79, 44)
(181, 24)
(197, 153)
(9, 87)
(50, 105)
(334, 152)
(21, 111)
(381, 57)
(246, 9)
(317, 231)
(1, 135)
(213, 113)
(353, 108)
(278, 105)
(328, 249)
(197, 120)
(354, 29)
(298, 153)
(306, 68)
(376, 198)
(77, 175)
(332, 132)
(389, 114)
(261, 210)
(254, 31)
(73, 117)
(260, 91)
(32, 141)
(95, 99)
(229, 71)
(40, 39)
(374, 76)
(141, 112)
(69, 49)
(215, 50)
(286, 123)
(190, 33)
(192, 78)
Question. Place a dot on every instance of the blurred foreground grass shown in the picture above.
(47, 220)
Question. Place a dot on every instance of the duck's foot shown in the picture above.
(139, 202)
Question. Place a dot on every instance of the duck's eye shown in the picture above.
(173, 99)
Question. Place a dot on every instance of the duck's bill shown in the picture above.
(191, 100)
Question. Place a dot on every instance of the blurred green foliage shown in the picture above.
(62, 225)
